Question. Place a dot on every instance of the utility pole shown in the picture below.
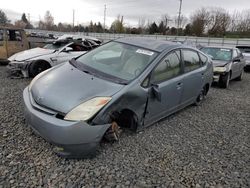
(29, 17)
(73, 18)
(179, 18)
(105, 10)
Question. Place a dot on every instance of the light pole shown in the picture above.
(179, 18)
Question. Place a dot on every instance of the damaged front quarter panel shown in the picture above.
(133, 100)
(18, 69)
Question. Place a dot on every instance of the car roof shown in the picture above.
(151, 44)
(76, 37)
(223, 47)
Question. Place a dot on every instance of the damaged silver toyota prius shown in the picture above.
(129, 83)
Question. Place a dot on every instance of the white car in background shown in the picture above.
(31, 62)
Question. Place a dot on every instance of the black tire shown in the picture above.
(201, 97)
(224, 80)
(37, 67)
(247, 69)
(239, 78)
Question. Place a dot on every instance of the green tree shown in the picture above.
(3, 18)
(153, 28)
(24, 19)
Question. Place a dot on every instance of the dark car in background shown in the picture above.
(245, 50)
(129, 83)
(228, 63)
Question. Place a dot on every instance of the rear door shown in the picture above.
(168, 79)
(193, 80)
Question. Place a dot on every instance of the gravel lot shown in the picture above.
(205, 146)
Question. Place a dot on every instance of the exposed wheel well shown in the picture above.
(125, 118)
(40, 62)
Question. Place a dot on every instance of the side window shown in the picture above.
(239, 52)
(1, 37)
(203, 59)
(235, 54)
(168, 68)
(1, 34)
(77, 47)
(191, 60)
(14, 35)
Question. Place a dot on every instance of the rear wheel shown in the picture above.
(201, 96)
(224, 80)
(37, 67)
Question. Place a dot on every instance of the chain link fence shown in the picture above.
(202, 41)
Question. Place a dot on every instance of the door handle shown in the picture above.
(178, 86)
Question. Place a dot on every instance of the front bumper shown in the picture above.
(18, 69)
(74, 139)
(247, 65)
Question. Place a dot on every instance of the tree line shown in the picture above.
(214, 22)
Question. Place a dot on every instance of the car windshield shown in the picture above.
(221, 54)
(116, 60)
(55, 45)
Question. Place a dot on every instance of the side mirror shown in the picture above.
(67, 49)
(156, 92)
(237, 59)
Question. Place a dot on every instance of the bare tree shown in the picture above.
(200, 19)
(48, 20)
(219, 21)
(243, 21)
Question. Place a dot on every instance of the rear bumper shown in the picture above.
(72, 139)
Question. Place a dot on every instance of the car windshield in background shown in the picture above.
(244, 49)
(221, 54)
(117, 60)
(55, 45)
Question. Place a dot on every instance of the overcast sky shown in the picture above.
(132, 10)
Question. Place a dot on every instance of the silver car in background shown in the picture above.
(129, 83)
(228, 63)
(31, 62)
(245, 50)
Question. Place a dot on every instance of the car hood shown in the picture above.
(29, 54)
(65, 87)
(217, 63)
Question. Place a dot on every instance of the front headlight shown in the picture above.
(36, 78)
(87, 109)
(220, 69)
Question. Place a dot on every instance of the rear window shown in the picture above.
(1, 37)
(14, 35)
(203, 59)
(191, 60)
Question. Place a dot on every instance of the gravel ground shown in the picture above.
(205, 146)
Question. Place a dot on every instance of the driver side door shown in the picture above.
(167, 79)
